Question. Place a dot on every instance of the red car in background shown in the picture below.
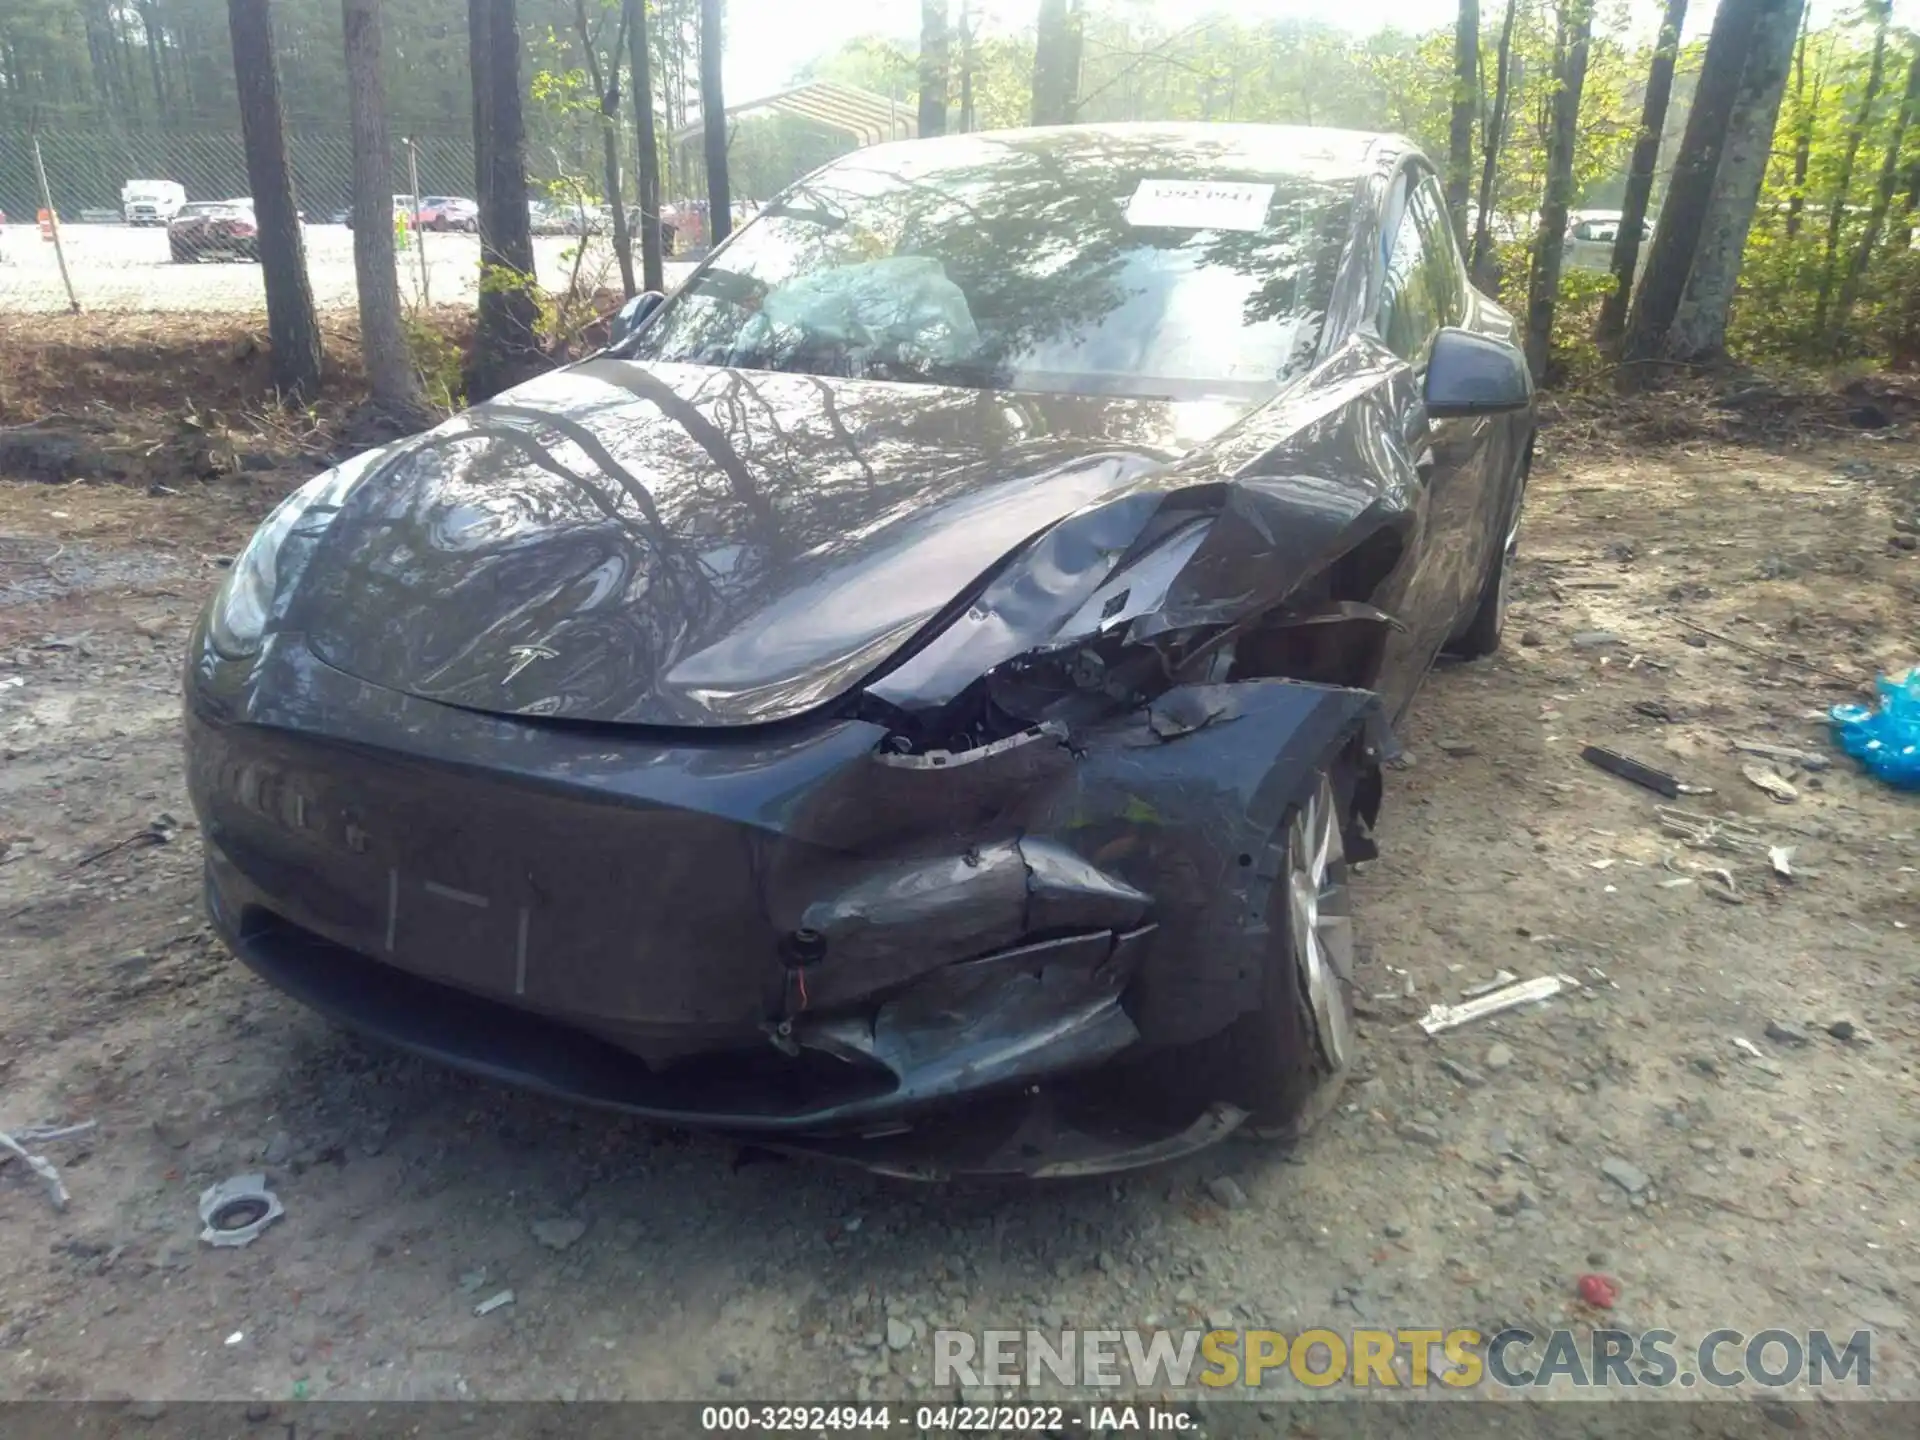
(213, 227)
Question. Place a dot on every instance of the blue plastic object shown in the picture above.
(1886, 738)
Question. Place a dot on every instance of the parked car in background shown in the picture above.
(1591, 235)
(225, 228)
(151, 202)
(447, 212)
(563, 217)
(405, 208)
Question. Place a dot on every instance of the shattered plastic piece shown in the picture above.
(42, 1167)
(1766, 780)
(1747, 1048)
(494, 1302)
(1781, 858)
(1886, 740)
(1657, 781)
(236, 1211)
(1449, 1017)
(1599, 1291)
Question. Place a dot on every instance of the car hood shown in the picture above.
(689, 546)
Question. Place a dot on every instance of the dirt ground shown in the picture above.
(1460, 1182)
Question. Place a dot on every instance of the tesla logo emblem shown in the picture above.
(523, 656)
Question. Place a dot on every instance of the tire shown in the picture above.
(1481, 637)
(1283, 1062)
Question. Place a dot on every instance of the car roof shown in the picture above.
(1310, 152)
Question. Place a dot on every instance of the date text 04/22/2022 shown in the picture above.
(1100, 1417)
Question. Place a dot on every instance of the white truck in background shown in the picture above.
(151, 202)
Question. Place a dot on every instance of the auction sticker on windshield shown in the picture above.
(1200, 204)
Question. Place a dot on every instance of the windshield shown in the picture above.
(1098, 264)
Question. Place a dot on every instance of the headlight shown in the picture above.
(1087, 575)
(241, 607)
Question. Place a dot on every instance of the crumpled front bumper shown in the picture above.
(791, 935)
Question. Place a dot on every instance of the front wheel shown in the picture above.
(1283, 1061)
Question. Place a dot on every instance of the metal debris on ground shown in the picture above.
(236, 1211)
(40, 1166)
(1787, 754)
(493, 1303)
(1726, 890)
(1657, 781)
(1774, 784)
(1487, 987)
(1450, 1017)
(158, 831)
(1709, 832)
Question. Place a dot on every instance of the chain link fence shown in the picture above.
(111, 265)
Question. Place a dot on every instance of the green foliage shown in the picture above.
(437, 361)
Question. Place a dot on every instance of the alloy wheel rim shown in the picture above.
(1322, 923)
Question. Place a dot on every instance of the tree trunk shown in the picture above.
(506, 344)
(1491, 135)
(1803, 116)
(1640, 169)
(1466, 102)
(1882, 202)
(1699, 331)
(283, 265)
(933, 67)
(966, 67)
(606, 85)
(713, 115)
(391, 377)
(1056, 62)
(150, 27)
(647, 177)
(1543, 282)
(1689, 193)
(1882, 11)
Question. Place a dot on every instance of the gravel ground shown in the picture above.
(117, 268)
(1721, 1114)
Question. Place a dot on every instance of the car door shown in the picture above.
(1424, 288)
(1464, 486)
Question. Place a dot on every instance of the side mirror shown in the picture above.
(1470, 374)
(632, 315)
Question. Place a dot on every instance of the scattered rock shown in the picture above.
(1466, 1075)
(1457, 748)
(1849, 1030)
(146, 1409)
(559, 1232)
(1393, 1231)
(1227, 1192)
(1594, 639)
(1629, 1177)
(1499, 1056)
(1785, 1032)
(1418, 1134)
(899, 1333)
(1531, 638)
(258, 1412)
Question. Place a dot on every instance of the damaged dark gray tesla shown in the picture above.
(914, 696)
